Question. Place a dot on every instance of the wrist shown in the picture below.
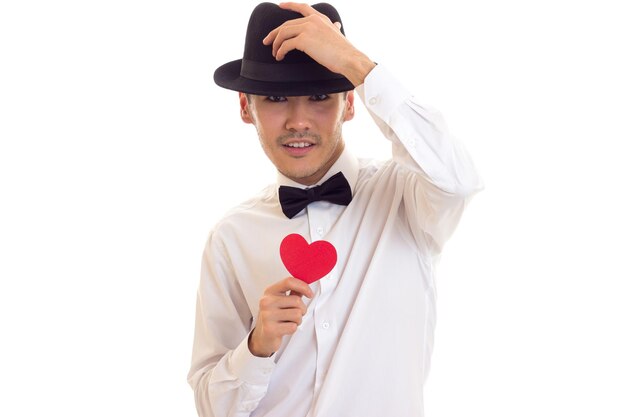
(358, 67)
(255, 350)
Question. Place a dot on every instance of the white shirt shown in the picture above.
(364, 346)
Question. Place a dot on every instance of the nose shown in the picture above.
(298, 117)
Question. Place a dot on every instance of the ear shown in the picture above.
(348, 111)
(244, 106)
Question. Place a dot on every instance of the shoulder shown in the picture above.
(248, 212)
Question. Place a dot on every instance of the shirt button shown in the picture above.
(325, 325)
(373, 101)
(320, 231)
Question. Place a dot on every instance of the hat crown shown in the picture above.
(268, 16)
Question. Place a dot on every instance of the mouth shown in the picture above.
(298, 145)
(298, 148)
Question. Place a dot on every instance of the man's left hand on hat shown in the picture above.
(321, 39)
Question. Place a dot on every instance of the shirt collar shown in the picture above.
(347, 163)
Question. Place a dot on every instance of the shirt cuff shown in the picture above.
(249, 368)
(382, 93)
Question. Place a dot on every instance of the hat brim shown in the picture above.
(229, 76)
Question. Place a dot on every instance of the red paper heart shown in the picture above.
(307, 262)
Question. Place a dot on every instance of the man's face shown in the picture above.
(301, 135)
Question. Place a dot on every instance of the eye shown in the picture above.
(319, 97)
(276, 99)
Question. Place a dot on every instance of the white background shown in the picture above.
(118, 153)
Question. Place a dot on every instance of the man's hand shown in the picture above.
(315, 35)
(280, 314)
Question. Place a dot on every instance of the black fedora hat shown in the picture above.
(296, 75)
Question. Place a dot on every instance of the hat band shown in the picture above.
(308, 71)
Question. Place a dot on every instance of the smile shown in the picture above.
(299, 145)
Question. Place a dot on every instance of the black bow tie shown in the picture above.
(334, 190)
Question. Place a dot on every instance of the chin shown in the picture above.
(301, 174)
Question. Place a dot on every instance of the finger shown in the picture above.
(285, 47)
(338, 24)
(296, 302)
(280, 315)
(271, 303)
(299, 286)
(286, 328)
(278, 330)
(289, 284)
(289, 316)
(287, 32)
(289, 302)
(303, 9)
(272, 35)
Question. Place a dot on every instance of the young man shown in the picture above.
(358, 341)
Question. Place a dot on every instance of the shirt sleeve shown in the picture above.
(439, 176)
(226, 378)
